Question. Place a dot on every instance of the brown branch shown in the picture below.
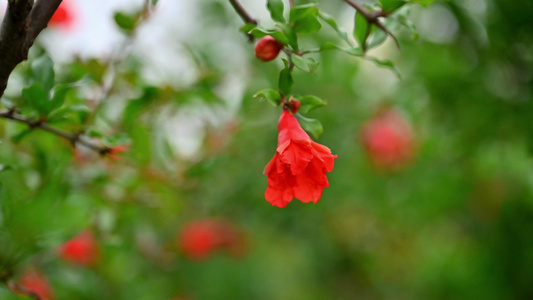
(242, 12)
(244, 16)
(373, 18)
(23, 21)
(40, 15)
(74, 138)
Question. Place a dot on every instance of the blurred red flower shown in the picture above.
(115, 152)
(63, 16)
(199, 239)
(81, 249)
(299, 167)
(36, 283)
(388, 140)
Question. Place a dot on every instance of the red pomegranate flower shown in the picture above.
(388, 140)
(199, 239)
(36, 283)
(63, 16)
(115, 152)
(299, 167)
(81, 250)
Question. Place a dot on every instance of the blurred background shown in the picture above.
(431, 196)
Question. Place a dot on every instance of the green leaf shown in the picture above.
(260, 32)
(305, 64)
(354, 51)
(313, 126)
(313, 64)
(422, 2)
(309, 103)
(81, 111)
(290, 33)
(276, 10)
(125, 22)
(285, 81)
(43, 72)
(36, 97)
(304, 18)
(271, 96)
(247, 27)
(386, 64)
(58, 99)
(300, 62)
(19, 136)
(377, 37)
(391, 5)
(91, 132)
(409, 25)
(361, 30)
(329, 46)
(331, 22)
(58, 115)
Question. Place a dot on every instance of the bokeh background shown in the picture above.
(454, 222)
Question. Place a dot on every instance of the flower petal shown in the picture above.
(290, 129)
(325, 155)
(297, 156)
(316, 173)
(270, 164)
(279, 198)
(306, 190)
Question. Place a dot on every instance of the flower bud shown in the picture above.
(267, 48)
(295, 106)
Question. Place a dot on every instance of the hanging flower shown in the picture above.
(199, 239)
(81, 249)
(299, 167)
(36, 283)
(388, 140)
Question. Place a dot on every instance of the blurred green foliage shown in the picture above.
(455, 224)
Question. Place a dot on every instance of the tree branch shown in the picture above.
(242, 12)
(22, 23)
(244, 16)
(373, 18)
(40, 15)
(74, 138)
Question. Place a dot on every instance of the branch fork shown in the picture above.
(373, 18)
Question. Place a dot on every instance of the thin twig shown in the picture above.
(244, 16)
(373, 18)
(74, 138)
(242, 12)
